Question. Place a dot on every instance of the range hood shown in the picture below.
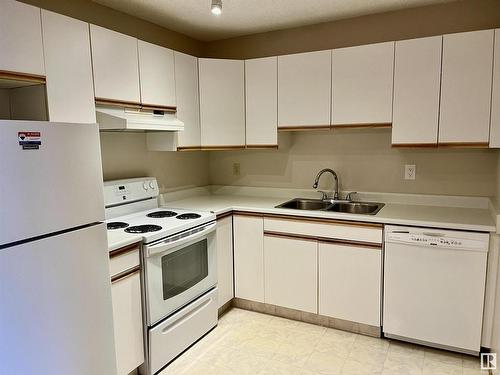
(126, 119)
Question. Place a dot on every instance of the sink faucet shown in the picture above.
(335, 177)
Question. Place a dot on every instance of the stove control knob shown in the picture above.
(145, 186)
(152, 185)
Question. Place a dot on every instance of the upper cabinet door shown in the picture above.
(116, 65)
(495, 101)
(466, 88)
(70, 90)
(417, 81)
(261, 88)
(362, 82)
(188, 100)
(156, 66)
(304, 90)
(20, 38)
(222, 103)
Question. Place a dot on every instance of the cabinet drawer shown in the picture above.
(123, 259)
(349, 231)
(169, 338)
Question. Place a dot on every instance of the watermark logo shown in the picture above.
(488, 361)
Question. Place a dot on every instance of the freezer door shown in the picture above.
(55, 187)
(55, 310)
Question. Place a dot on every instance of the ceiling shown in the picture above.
(242, 17)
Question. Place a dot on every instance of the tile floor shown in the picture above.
(247, 342)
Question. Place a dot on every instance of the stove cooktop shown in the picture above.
(157, 223)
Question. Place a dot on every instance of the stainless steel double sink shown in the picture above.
(362, 208)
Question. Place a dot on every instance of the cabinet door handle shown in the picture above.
(125, 274)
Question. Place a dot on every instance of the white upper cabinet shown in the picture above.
(188, 100)
(116, 65)
(417, 81)
(362, 83)
(261, 89)
(156, 71)
(495, 102)
(304, 90)
(20, 38)
(222, 102)
(466, 88)
(68, 65)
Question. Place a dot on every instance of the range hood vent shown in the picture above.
(126, 119)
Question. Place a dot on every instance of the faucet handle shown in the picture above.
(349, 195)
(324, 195)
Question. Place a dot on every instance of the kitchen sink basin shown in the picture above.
(361, 208)
(305, 204)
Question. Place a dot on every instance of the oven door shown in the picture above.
(179, 269)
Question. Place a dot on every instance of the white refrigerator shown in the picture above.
(55, 290)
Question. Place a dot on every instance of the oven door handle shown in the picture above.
(180, 239)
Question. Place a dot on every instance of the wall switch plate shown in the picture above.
(236, 169)
(410, 171)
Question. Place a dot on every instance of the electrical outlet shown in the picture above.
(236, 169)
(410, 171)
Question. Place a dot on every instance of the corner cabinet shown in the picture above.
(261, 95)
(466, 88)
(304, 90)
(222, 103)
(68, 65)
(225, 260)
(21, 39)
(188, 101)
(116, 66)
(156, 72)
(362, 83)
(248, 257)
(417, 84)
(495, 99)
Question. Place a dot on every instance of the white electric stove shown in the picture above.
(179, 267)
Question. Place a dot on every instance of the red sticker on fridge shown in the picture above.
(29, 140)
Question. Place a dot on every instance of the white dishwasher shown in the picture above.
(434, 283)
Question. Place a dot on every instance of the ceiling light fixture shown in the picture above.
(216, 7)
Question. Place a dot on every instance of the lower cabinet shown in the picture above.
(350, 282)
(291, 268)
(225, 260)
(127, 308)
(249, 257)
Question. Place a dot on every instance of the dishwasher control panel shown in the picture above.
(435, 238)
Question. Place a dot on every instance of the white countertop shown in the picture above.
(118, 239)
(475, 219)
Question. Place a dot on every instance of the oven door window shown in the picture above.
(184, 268)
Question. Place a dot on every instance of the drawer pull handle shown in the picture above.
(186, 317)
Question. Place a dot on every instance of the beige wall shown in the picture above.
(365, 161)
(124, 155)
(88, 11)
(403, 24)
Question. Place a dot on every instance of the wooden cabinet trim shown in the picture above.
(224, 215)
(262, 146)
(288, 128)
(134, 105)
(464, 144)
(189, 148)
(24, 77)
(426, 145)
(382, 125)
(369, 245)
(125, 274)
(123, 250)
(324, 221)
(221, 148)
(247, 213)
